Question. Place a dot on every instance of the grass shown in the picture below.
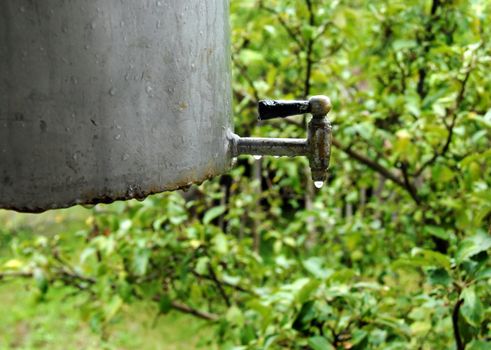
(57, 322)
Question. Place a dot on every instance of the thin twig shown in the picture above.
(450, 128)
(455, 322)
(370, 163)
(294, 36)
(219, 285)
(195, 312)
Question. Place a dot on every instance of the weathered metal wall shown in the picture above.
(110, 99)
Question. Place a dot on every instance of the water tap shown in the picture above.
(316, 147)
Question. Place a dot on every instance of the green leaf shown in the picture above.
(472, 246)
(314, 265)
(319, 343)
(213, 213)
(250, 56)
(425, 257)
(440, 277)
(419, 328)
(395, 324)
(472, 309)
(202, 265)
(307, 290)
(235, 316)
(220, 244)
(13, 264)
(41, 280)
(306, 314)
(403, 44)
(359, 337)
(478, 345)
(165, 304)
(140, 262)
(437, 232)
(484, 274)
(247, 334)
(112, 308)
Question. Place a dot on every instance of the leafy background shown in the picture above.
(392, 253)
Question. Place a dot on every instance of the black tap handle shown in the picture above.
(270, 109)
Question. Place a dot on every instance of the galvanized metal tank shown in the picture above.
(111, 99)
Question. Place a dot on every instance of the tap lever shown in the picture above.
(270, 109)
(318, 106)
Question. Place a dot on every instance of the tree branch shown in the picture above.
(410, 187)
(309, 61)
(218, 285)
(429, 36)
(294, 36)
(450, 128)
(370, 163)
(195, 312)
(226, 284)
(245, 75)
(455, 322)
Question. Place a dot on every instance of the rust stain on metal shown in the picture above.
(132, 192)
(317, 145)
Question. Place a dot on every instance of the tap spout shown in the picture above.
(271, 146)
(316, 147)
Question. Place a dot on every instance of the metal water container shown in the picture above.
(111, 99)
(102, 100)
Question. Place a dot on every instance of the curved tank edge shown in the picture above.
(131, 193)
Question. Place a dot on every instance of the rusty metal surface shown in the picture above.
(319, 140)
(271, 146)
(103, 100)
(316, 147)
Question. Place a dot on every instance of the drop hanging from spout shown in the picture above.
(316, 147)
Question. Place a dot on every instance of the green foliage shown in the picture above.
(393, 253)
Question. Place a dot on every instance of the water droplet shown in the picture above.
(117, 137)
(319, 184)
(126, 156)
(257, 157)
(112, 92)
(149, 89)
